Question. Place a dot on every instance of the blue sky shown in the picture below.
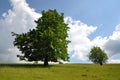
(102, 13)
(96, 21)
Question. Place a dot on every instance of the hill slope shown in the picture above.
(59, 72)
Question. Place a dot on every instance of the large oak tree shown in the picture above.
(47, 42)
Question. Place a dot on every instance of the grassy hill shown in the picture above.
(59, 72)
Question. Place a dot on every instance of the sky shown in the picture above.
(91, 22)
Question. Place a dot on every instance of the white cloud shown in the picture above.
(114, 61)
(14, 50)
(18, 19)
(78, 35)
(99, 41)
(116, 33)
(112, 46)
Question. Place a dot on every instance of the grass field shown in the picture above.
(59, 72)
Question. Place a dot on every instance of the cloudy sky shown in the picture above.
(91, 22)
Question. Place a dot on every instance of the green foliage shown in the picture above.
(48, 42)
(60, 72)
(98, 56)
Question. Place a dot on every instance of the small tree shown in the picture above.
(48, 42)
(98, 56)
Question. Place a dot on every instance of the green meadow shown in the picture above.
(59, 72)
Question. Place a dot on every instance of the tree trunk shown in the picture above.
(46, 62)
(101, 63)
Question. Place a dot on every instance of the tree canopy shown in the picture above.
(97, 55)
(47, 42)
